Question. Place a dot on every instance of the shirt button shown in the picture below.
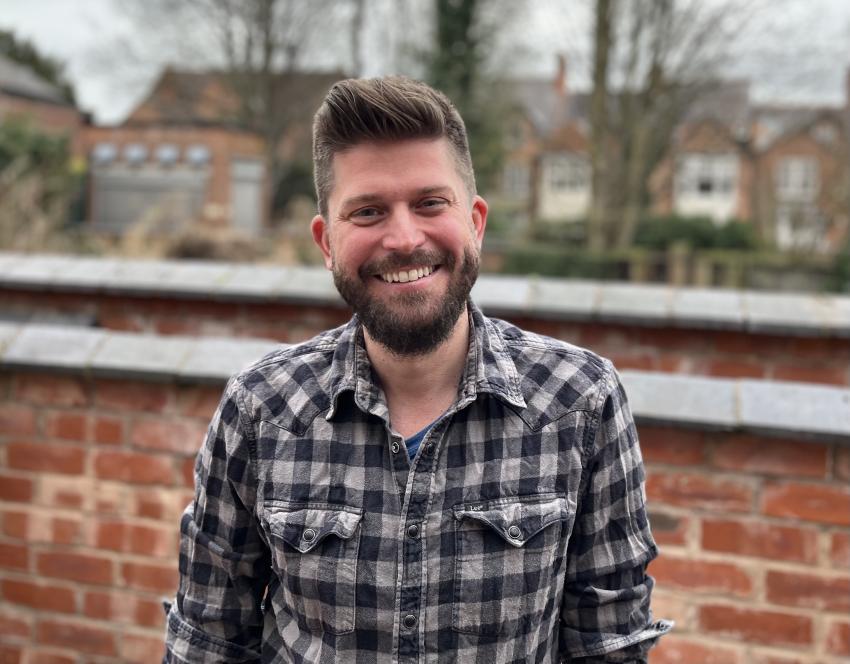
(410, 621)
(309, 535)
(413, 531)
(514, 532)
(429, 448)
(395, 448)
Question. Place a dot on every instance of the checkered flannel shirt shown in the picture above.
(518, 533)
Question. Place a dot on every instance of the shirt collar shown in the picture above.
(489, 368)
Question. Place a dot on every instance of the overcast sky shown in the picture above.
(800, 54)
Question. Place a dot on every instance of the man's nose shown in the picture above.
(403, 233)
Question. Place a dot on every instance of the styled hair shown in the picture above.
(390, 108)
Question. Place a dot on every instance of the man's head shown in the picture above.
(378, 110)
(400, 225)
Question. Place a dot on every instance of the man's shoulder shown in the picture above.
(304, 371)
(555, 376)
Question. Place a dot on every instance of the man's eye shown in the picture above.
(365, 214)
(433, 203)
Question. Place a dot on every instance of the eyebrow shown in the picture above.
(374, 197)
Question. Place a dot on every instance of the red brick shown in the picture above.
(754, 626)
(127, 395)
(760, 540)
(66, 530)
(838, 638)
(812, 502)
(71, 492)
(134, 468)
(699, 491)
(137, 649)
(828, 375)
(680, 447)
(152, 578)
(45, 457)
(839, 550)
(12, 624)
(16, 420)
(77, 636)
(771, 456)
(49, 657)
(700, 576)
(85, 568)
(66, 426)
(180, 436)
(669, 529)
(14, 556)
(674, 649)
(841, 464)
(187, 471)
(10, 655)
(38, 596)
(15, 489)
(735, 369)
(809, 591)
(123, 608)
(139, 539)
(108, 430)
(15, 524)
(198, 401)
(52, 391)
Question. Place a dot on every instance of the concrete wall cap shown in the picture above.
(500, 295)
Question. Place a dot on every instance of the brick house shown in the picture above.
(25, 95)
(183, 154)
(784, 169)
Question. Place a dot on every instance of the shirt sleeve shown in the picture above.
(217, 614)
(605, 615)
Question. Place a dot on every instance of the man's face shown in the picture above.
(403, 240)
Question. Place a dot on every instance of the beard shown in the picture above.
(407, 326)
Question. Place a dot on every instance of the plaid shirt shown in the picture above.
(518, 533)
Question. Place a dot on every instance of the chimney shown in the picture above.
(560, 82)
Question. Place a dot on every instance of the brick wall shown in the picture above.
(754, 532)
(813, 357)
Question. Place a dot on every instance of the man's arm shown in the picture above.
(217, 614)
(605, 615)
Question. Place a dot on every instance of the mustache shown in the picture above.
(397, 261)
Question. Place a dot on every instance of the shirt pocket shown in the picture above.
(507, 552)
(314, 552)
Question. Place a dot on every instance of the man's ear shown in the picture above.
(320, 230)
(479, 218)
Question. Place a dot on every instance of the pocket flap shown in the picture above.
(518, 519)
(304, 528)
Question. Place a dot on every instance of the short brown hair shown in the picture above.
(390, 108)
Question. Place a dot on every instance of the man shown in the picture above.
(423, 484)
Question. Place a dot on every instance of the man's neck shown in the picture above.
(420, 388)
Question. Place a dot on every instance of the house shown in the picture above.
(185, 154)
(784, 169)
(24, 95)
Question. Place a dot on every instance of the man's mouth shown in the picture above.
(405, 276)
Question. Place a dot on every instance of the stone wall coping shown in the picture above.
(795, 314)
(786, 409)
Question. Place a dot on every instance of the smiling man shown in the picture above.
(423, 484)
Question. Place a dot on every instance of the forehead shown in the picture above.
(389, 168)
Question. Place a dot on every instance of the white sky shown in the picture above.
(800, 55)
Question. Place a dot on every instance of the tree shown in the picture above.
(25, 53)
(652, 60)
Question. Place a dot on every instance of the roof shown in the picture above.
(213, 97)
(21, 81)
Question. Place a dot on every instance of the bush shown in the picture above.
(697, 232)
(554, 262)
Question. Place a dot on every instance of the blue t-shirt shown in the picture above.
(415, 440)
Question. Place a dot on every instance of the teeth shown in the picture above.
(407, 275)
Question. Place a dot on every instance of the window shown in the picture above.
(198, 155)
(167, 154)
(567, 173)
(135, 154)
(797, 179)
(104, 153)
(707, 175)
